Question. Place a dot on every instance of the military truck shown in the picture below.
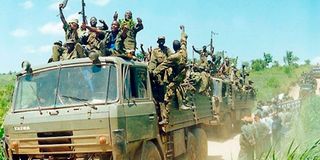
(99, 109)
(316, 71)
(230, 104)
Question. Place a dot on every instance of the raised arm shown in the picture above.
(195, 50)
(63, 19)
(184, 37)
(138, 27)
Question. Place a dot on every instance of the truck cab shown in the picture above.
(102, 109)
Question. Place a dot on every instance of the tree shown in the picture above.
(267, 58)
(307, 61)
(275, 64)
(258, 64)
(290, 59)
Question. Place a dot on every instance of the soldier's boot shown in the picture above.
(184, 107)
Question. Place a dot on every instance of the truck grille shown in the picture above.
(63, 142)
(55, 138)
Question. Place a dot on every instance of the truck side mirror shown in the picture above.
(26, 66)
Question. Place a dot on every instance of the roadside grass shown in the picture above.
(276, 80)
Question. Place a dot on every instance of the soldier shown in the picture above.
(247, 140)
(109, 42)
(57, 51)
(71, 29)
(261, 135)
(159, 55)
(73, 50)
(203, 56)
(225, 69)
(93, 41)
(126, 41)
(175, 67)
(146, 55)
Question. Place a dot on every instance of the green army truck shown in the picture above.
(99, 109)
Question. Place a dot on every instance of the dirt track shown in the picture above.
(224, 149)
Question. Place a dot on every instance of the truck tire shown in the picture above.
(191, 147)
(201, 143)
(150, 152)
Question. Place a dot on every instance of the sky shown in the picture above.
(246, 28)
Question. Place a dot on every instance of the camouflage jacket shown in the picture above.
(176, 63)
(158, 55)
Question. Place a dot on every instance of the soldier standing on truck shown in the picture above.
(159, 55)
(175, 66)
(129, 29)
(203, 56)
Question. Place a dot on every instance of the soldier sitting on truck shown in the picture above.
(73, 50)
(72, 31)
(175, 66)
(107, 44)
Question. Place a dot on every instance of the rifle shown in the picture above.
(84, 17)
(65, 2)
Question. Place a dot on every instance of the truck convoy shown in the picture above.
(104, 109)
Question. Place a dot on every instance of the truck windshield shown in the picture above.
(68, 86)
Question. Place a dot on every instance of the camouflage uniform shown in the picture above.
(93, 43)
(174, 66)
(158, 55)
(57, 50)
(77, 52)
(203, 58)
(127, 42)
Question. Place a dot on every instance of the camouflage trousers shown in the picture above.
(57, 52)
(201, 80)
(172, 97)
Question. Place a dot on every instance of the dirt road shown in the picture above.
(318, 87)
(224, 149)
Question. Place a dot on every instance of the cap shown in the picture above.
(74, 21)
(161, 38)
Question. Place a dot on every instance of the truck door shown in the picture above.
(140, 111)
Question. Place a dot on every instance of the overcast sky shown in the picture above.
(246, 28)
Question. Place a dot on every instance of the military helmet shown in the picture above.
(74, 21)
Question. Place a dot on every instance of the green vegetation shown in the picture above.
(6, 90)
(275, 80)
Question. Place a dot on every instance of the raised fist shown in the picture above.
(115, 16)
(102, 21)
(61, 6)
(182, 27)
(139, 20)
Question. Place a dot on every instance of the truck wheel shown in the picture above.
(202, 143)
(150, 152)
(191, 147)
